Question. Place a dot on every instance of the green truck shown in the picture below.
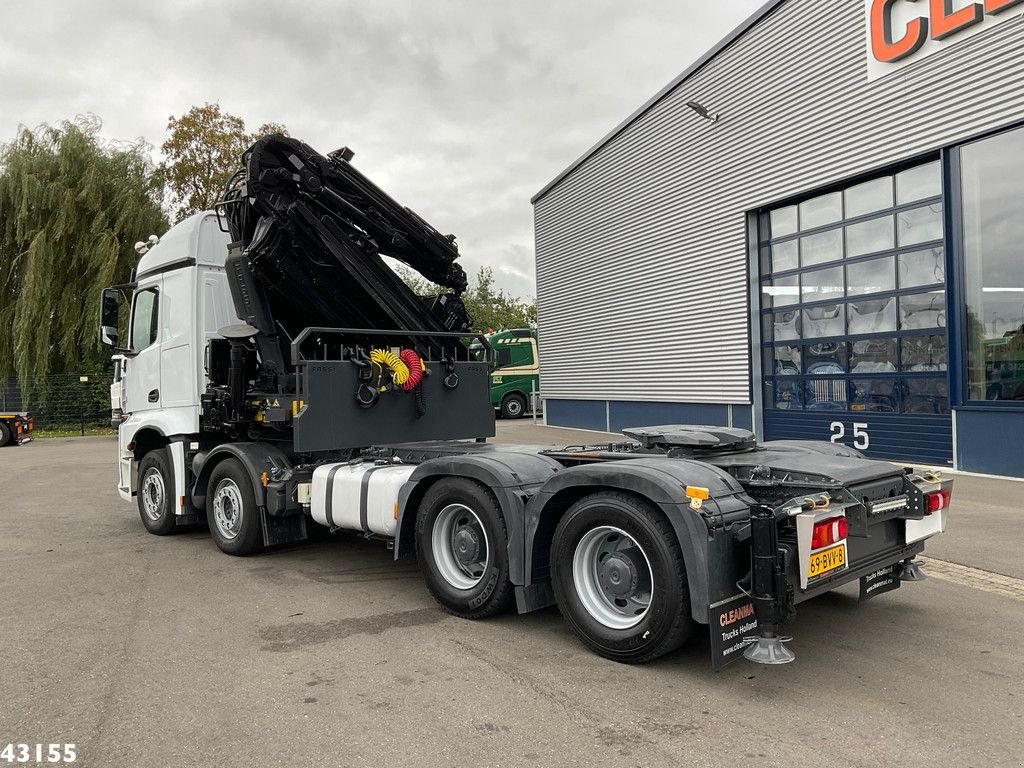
(516, 373)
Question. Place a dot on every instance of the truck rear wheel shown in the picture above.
(462, 550)
(231, 509)
(155, 494)
(513, 406)
(5, 434)
(619, 578)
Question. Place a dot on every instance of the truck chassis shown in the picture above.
(637, 542)
(340, 399)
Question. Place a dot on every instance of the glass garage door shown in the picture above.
(853, 318)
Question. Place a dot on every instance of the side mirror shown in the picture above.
(108, 317)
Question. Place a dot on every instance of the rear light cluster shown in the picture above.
(828, 532)
(937, 500)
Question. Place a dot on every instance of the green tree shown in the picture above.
(203, 149)
(71, 207)
(489, 309)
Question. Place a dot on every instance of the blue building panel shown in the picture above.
(743, 417)
(913, 438)
(988, 441)
(623, 414)
(617, 415)
(578, 414)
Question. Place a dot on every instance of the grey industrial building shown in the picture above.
(815, 231)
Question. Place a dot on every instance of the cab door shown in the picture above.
(142, 365)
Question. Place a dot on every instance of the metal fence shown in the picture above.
(74, 402)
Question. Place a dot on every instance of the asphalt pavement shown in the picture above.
(147, 651)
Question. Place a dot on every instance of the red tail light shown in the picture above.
(937, 500)
(828, 532)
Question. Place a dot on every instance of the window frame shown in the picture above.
(956, 234)
(500, 352)
(767, 342)
(154, 331)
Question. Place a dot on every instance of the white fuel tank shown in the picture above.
(361, 496)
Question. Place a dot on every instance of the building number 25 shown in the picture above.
(861, 441)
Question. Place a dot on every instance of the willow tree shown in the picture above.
(71, 208)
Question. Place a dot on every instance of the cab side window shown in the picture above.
(522, 354)
(145, 319)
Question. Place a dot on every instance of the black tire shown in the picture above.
(5, 434)
(155, 493)
(475, 585)
(231, 510)
(513, 406)
(622, 592)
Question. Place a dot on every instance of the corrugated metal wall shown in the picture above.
(642, 250)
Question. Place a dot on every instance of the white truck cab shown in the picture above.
(180, 299)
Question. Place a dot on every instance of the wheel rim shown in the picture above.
(153, 493)
(513, 407)
(460, 547)
(227, 508)
(613, 577)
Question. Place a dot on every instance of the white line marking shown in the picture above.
(965, 576)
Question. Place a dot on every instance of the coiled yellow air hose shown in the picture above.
(387, 358)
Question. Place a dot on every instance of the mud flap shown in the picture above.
(282, 530)
(732, 623)
(880, 581)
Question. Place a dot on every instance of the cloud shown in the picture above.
(461, 109)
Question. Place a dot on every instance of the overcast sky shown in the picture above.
(460, 109)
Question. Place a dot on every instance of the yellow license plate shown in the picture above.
(826, 560)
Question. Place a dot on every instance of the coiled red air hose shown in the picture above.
(415, 364)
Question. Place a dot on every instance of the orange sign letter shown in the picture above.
(946, 22)
(992, 7)
(883, 47)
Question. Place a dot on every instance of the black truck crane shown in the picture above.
(280, 375)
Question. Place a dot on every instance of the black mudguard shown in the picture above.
(257, 458)
(661, 482)
(512, 477)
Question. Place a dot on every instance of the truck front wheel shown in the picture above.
(231, 509)
(156, 492)
(462, 550)
(619, 578)
(513, 406)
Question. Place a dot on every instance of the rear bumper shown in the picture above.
(884, 530)
(863, 567)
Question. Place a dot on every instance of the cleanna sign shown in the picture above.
(901, 32)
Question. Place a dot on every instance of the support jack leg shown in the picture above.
(768, 648)
(767, 591)
(911, 571)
